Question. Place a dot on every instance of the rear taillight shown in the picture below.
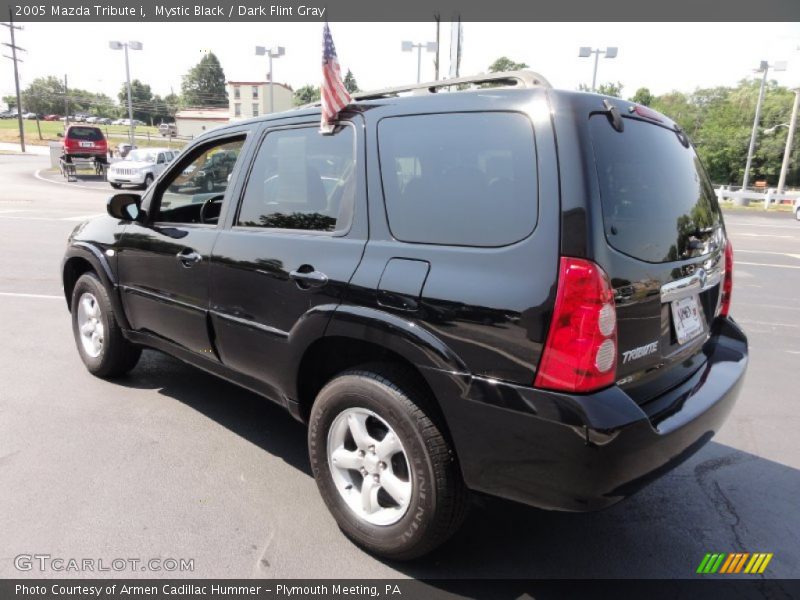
(727, 283)
(581, 350)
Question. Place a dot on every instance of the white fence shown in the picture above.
(743, 197)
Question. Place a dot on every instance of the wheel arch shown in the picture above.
(82, 257)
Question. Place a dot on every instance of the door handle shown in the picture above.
(188, 258)
(306, 277)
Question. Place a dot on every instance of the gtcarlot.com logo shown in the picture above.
(734, 562)
(48, 563)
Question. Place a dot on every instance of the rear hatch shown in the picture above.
(85, 139)
(663, 247)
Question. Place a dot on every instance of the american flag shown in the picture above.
(333, 93)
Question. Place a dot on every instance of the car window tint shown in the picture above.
(85, 133)
(657, 202)
(204, 178)
(462, 179)
(302, 180)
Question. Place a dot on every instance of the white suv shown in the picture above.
(140, 167)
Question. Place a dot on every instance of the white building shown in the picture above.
(191, 122)
(250, 99)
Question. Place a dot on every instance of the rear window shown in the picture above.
(657, 200)
(85, 133)
(466, 179)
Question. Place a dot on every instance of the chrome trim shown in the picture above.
(699, 281)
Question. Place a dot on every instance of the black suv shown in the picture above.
(522, 292)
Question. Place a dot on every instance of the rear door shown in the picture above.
(291, 245)
(663, 248)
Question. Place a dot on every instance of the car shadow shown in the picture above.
(720, 500)
(245, 413)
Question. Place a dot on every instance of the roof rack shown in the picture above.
(520, 79)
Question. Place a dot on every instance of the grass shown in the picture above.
(755, 205)
(145, 136)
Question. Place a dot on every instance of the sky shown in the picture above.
(660, 56)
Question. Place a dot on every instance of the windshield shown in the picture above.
(142, 156)
(658, 205)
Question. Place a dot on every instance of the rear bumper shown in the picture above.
(581, 453)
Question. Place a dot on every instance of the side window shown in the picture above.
(160, 160)
(466, 179)
(302, 180)
(193, 192)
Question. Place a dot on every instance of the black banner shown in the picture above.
(385, 589)
(408, 10)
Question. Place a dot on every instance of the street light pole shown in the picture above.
(130, 100)
(587, 51)
(594, 74)
(271, 53)
(765, 69)
(789, 142)
(429, 47)
(124, 46)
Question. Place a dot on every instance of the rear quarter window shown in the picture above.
(466, 179)
(656, 198)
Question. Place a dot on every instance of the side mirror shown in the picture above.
(124, 206)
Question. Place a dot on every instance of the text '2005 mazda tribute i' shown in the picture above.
(522, 292)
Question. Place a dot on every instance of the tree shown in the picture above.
(306, 95)
(10, 101)
(44, 96)
(643, 97)
(141, 100)
(350, 82)
(506, 64)
(611, 89)
(204, 84)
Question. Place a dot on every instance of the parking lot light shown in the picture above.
(763, 68)
(409, 47)
(133, 45)
(275, 52)
(587, 51)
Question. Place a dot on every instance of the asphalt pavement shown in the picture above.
(171, 463)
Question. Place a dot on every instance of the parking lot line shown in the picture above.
(739, 262)
(81, 218)
(21, 295)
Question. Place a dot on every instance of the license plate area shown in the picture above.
(687, 318)
(86, 144)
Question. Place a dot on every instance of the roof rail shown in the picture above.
(521, 79)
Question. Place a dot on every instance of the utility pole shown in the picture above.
(66, 102)
(438, 18)
(14, 58)
(787, 153)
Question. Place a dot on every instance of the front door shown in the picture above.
(291, 245)
(164, 261)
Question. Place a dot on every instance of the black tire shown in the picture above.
(116, 186)
(439, 499)
(118, 355)
(797, 214)
(148, 181)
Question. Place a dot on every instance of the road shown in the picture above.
(172, 463)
